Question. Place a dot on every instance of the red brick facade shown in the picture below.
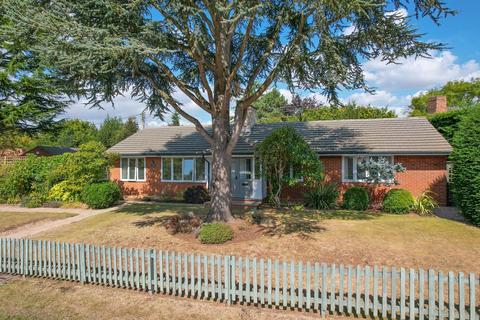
(153, 184)
(423, 173)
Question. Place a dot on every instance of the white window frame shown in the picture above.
(355, 165)
(136, 169)
(195, 158)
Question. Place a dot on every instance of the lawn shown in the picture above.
(46, 299)
(334, 236)
(13, 220)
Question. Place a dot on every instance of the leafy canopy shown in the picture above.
(30, 97)
(216, 51)
(286, 157)
(460, 94)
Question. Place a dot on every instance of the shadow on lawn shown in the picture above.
(142, 209)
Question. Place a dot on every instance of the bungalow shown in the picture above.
(165, 161)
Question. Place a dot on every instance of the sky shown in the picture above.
(395, 84)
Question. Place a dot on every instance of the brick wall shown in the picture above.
(153, 184)
(423, 173)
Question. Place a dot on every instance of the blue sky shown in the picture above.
(395, 84)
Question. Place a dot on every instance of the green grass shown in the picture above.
(13, 220)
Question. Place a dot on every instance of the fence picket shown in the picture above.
(332, 288)
(349, 290)
(307, 287)
(212, 276)
(269, 282)
(451, 297)
(341, 275)
(300, 285)
(375, 291)
(461, 296)
(324, 289)
(421, 294)
(384, 291)
(232, 277)
(431, 294)
(402, 293)
(440, 296)
(366, 304)
(219, 278)
(262, 281)
(316, 288)
(292, 284)
(358, 278)
(472, 283)
(411, 304)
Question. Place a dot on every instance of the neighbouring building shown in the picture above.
(165, 161)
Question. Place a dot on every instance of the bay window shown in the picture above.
(353, 172)
(184, 169)
(132, 169)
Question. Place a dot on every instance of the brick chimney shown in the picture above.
(437, 104)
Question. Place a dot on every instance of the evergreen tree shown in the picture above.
(110, 131)
(223, 55)
(129, 127)
(174, 120)
(68, 133)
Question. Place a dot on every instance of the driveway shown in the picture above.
(30, 230)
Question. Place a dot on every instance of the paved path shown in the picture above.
(32, 229)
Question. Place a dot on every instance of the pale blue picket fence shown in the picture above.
(394, 293)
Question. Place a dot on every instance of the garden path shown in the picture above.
(29, 230)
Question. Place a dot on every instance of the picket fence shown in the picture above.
(394, 293)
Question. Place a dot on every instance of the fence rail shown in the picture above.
(394, 293)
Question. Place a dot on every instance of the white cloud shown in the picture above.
(420, 73)
(125, 106)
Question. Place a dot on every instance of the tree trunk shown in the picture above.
(221, 196)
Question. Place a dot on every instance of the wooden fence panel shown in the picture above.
(394, 293)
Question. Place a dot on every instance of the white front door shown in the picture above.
(241, 178)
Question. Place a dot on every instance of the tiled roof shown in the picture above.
(374, 136)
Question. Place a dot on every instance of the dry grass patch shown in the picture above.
(338, 236)
(13, 220)
(43, 299)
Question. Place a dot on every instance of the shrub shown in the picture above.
(398, 201)
(33, 200)
(101, 195)
(196, 194)
(215, 233)
(65, 191)
(185, 223)
(466, 166)
(425, 203)
(322, 197)
(355, 198)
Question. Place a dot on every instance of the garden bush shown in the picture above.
(185, 223)
(101, 195)
(466, 166)
(322, 197)
(356, 198)
(425, 203)
(215, 233)
(196, 194)
(255, 217)
(398, 201)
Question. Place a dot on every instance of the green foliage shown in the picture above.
(425, 203)
(466, 166)
(460, 94)
(30, 97)
(69, 133)
(398, 201)
(255, 216)
(348, 111)
(113, 130)
(196, 194)
(175, 120)
(324, 196)
(356, 198)
(281, 150)
(215, 233)
(33, 200)
(60, 178)
(101, 195)
(447, 122)
(270, 106)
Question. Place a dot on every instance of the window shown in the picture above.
(246, 169)
(352, 172)
(295, 173)
(184, 169)
(132, 169)
(200, 165)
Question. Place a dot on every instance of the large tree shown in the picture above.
(223, 55)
